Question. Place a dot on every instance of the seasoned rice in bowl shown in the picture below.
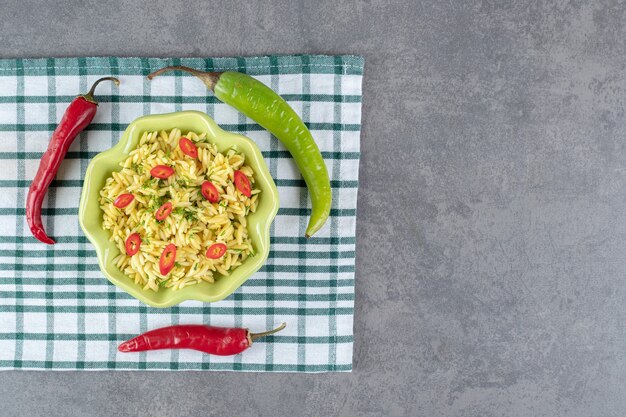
(194, 223)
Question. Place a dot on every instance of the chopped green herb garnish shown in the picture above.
(162, 284)
(150, 183)
(157, 202)
(190, 215)
(137, 167)
(177, 265)
(184, 179)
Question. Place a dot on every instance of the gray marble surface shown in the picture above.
(491, 261)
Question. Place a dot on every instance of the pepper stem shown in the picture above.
(89, 95)
(255, 336)
(208, 78)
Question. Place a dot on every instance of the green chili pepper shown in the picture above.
(260, 103)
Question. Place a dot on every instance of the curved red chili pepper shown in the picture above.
(77, 117)
(223, 341)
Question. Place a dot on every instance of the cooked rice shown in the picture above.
(194, 224)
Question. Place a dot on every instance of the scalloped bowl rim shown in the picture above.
(101, 166)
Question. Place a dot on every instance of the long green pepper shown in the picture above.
(260, 103)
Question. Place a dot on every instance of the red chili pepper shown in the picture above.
(162, 171)
(243, 183)
(123, 200)
(209, 192)
(216, 251)
(163, 211)
(221, 341)
(188, 147)
(133, 242)
(77, 117)
(167, 259)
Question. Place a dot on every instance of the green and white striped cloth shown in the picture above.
(57, 311)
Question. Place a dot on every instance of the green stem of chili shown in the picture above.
(90, 93)
(260, 103)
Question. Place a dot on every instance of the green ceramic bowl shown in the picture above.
(90, 215)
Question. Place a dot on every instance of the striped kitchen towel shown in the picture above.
(57, 310)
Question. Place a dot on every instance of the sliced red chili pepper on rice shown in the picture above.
(163, 211)
(162, 171)
(123, 200)
(133, 242)
(167, 260)
(210, 192)
(243, 183)
(216, 251)
(188, 147)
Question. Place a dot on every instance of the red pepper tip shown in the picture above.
(127, 346)
(41, 236)
(48, 241)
